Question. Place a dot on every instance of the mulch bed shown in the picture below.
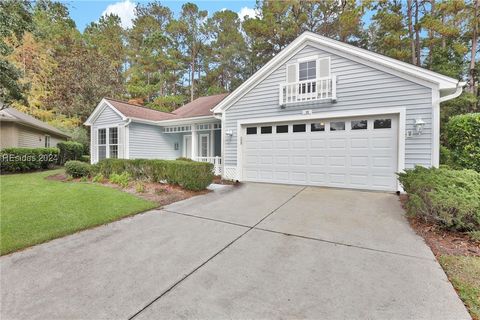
(162, 194)
(441, 241)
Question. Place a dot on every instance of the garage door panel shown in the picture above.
(282, 144)
(318, 144)
(318, 160)
(282, 160)
(337, 143)
(359, 143)
(359, 161)
(365, 159)
(359, 180)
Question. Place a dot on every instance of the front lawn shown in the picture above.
(464, 273)
(34, 209)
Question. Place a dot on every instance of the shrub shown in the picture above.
(69, 150)
(27, 159)
(140, 187)
(98, 178)
(85, 158)
(463, 139)
(77, 169)
(120, 179)
(188, 174)
(184, 159)
(448, 197)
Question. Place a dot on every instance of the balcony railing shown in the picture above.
(308, 90)
(217, 163)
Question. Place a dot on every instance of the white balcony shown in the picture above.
(308, 90)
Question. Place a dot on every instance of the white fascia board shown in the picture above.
(182, 121)
(444, 82)
(413, 73)
(98, 110)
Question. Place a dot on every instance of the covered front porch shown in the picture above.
(199, 141)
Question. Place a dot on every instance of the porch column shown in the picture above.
(194, 142)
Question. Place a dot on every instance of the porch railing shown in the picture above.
(308, 90)
(216, 161)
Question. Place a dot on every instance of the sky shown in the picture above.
(86, 11)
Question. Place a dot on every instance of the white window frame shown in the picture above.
(113, 144)
(47, 141)
(313, 59)
(107, 142)
(200, 136)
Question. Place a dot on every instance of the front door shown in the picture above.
(187, 146)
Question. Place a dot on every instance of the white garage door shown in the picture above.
(348, 153)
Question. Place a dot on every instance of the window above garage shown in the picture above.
(308, 79)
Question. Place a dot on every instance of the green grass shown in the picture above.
(34, 210)
(464, 273)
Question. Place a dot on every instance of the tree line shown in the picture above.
(51, 70)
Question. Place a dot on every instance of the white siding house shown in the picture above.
(319, 113)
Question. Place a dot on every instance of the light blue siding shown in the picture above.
(149, 142)
(358, 87)
(108, 117)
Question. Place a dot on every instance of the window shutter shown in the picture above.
(323, 67)
(121, 142)
(292, 73)
(93, 144)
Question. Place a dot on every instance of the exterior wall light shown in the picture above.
(419, 124)
(229, 133)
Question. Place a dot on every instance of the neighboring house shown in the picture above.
(321, 112)
(18, 129)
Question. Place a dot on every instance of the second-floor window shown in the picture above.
(307, 70)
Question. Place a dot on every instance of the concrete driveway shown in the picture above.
(257, 251)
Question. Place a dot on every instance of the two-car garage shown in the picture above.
(360, 152)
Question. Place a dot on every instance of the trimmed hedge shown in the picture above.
(27, 159)
(448, 197)
(69, 150)
(190, 175)
(463, 139)
(78, 169)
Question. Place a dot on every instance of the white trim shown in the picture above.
(126, 146)
(200, 136)
(400, 111)
(99, 109)
(222, 144)
(414, 73)
(212, 142)
(185, 120)
(184, 151)
(306, 59)
(435, 157)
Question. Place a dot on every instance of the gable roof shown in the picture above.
(13, 115)
(417, 74)
(199, 107)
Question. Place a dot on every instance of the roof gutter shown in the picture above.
(458, 92)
